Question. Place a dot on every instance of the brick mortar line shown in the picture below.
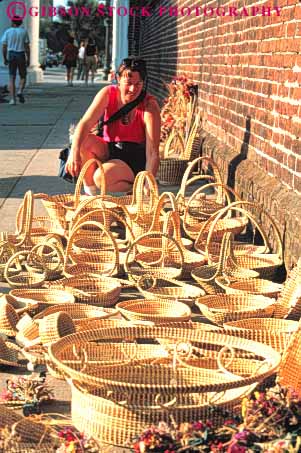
(35, 153)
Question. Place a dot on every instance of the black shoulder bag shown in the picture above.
(64, 154)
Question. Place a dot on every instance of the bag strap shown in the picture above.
(125, 109)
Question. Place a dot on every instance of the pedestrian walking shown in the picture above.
(70, 53)
(91, 59)
(81, 62)
(16, 54)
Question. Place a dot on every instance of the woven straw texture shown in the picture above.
(154, 310)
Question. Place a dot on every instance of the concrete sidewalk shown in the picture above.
(32, 135)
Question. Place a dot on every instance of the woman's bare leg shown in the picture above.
(119, 177)
(93, 148)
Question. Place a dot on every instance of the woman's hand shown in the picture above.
(73, 165)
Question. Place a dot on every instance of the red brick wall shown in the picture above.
(245, 67)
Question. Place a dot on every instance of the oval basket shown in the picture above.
(252, 286)
(273, 332)
(79, 357)
(43, 297)
(91, 289)
(154, 310)
(230, 307)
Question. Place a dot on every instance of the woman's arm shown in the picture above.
(152, 121)
(90, 118)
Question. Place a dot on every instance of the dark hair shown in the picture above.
(17, 21)
(70, 39)
(134, 64)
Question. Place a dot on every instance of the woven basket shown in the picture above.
(290, 370)
(168, 289)
(43, 297)
(81, 314)
(92, 289)
(273, 332)
(10, 354)
(154, 310)
(289, 300)
(35, 354)
(25, 269)
(85, 357)
(55, 326)
(251, 286)
(118, 422)
(53, 258)
(62, 207)
(223, 308)
(20, 306)
(8, 318)
(171, 171)
(91, 254)
(7, 250)
(28, 328)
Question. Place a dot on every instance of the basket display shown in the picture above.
(223, 308)
(8, 319)
(154, 310)
(25, 269)
(273, 332)
(55, 326)
(252, 286)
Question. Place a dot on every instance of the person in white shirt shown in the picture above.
(81, 58)
(16, 54)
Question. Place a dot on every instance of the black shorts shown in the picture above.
(17, 61)
(70, 64)
(133, 154)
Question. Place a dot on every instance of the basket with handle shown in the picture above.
(25, 269)
(265, 264)
(257, 286)
(154, 310)
(168, 289)
(273, 332)
(172, 169)
(200, 207)
(61, 207)
(221, 308)
(53, 256)
(90, 253)
(91, 289)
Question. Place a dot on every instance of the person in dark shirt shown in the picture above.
(91, 59)
(70, 53)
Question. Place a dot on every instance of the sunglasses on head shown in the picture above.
(134, 64)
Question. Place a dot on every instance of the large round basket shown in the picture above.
(44, 298)
(86, 357)
(222, 308)
(154, 310)
(117, 419)
(273, 332)
(171, 171)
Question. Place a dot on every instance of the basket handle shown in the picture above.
(187, 181)
(167, 148)
(81, 177)
(99, 225)
(164, 198)
(139, 196)
(164, 252)
(24, 219)
(237, 206)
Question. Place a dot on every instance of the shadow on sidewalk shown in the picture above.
(45, 184)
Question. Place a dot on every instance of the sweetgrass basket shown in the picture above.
(273, 332)
(55, 326)
(252, 286)
(154, 310)
(222, 308)
(168, 289)
(289, 370)
(44, 298)
(91, 289)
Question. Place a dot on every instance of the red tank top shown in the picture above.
(118, 132)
